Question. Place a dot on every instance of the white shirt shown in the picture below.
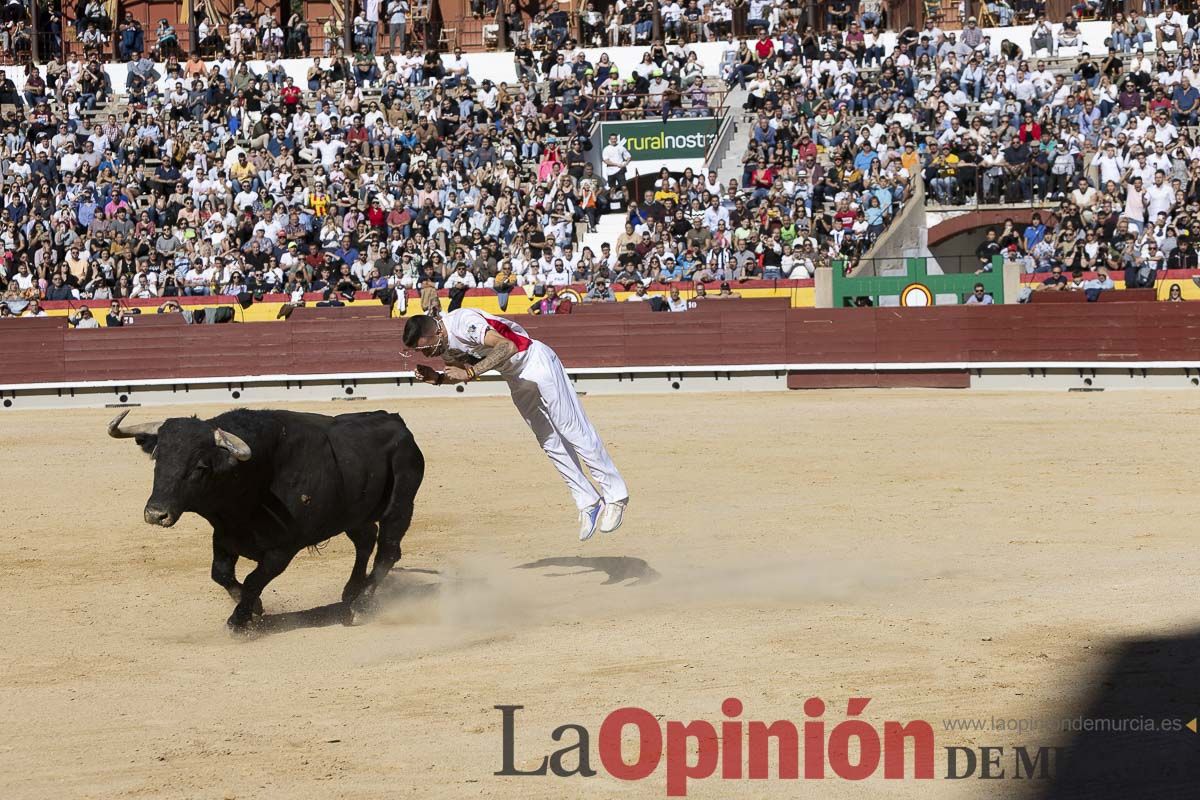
(1135, 208)
(1159, 199)
(615, 154)
(1110, 168)
(466, 328)
(467, 280)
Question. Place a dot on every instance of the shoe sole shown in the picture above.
(595, 527)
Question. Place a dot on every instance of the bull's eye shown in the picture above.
(200, 469)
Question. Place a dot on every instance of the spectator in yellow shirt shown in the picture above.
(244, 174)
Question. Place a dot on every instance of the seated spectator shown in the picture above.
(552, 303)
(600, 292)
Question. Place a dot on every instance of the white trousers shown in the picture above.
(547, 401)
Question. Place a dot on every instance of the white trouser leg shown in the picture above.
(528, 401)
(561, 407)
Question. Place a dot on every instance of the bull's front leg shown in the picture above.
(224, 565)
(269, 568)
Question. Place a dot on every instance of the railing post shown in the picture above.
(35, 33)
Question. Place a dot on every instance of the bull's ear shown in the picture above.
(224, 461)
(147, 441)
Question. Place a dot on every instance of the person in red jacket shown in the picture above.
(357, 136)
(764, 47)
(375, 215)
(291, 95)
(1030, 130)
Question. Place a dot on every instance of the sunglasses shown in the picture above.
(432, 349)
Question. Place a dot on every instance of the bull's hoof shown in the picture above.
(245, 625)
(236, 594)
(359, 612)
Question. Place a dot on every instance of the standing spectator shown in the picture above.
(616, 159)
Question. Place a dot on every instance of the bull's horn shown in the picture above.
(234, 444)
(129, 431)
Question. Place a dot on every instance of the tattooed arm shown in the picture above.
(499, 354)
(459, 358)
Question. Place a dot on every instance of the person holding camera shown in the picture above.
(83, 319)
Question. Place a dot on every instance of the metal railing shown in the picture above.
(885, 266)
(1008, 190)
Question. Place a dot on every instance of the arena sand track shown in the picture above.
(948, 554)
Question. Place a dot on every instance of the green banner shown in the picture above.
(651, 140)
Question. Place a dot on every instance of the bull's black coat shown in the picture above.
(308, 477)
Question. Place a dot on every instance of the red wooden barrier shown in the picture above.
(720, 333)
(1122, 296)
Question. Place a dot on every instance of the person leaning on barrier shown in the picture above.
(83, 319)
(210, 315)
(979, 297)
(600, 292)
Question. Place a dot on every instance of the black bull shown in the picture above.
(272, 483)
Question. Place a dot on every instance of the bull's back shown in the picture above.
(379, 428)
(372, 449)
(360, 456)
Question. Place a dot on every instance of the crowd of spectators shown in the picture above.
(375, 172)
(383, 172)
(1105, 141)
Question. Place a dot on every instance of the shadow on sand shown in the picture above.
(617, 568)
(403, 585)
(398, 586)
(1135, 726)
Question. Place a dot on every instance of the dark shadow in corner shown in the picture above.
(618, 568)
(397, 587)
(1146, 679)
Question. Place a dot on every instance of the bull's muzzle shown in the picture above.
(158, 516)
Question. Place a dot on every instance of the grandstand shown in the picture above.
(424, 156)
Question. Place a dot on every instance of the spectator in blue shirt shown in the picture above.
(864, 157)
(672, 270)
(1035, 232)
(1101, 281)
(979, 298)
(1089, 117)
(1186, 100)
(764, 133)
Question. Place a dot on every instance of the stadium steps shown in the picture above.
(608, 228)
(731, 165)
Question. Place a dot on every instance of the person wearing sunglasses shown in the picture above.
(979, 297)
(471, 342)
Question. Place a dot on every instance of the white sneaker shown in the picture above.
(588, 518)
(610, 520)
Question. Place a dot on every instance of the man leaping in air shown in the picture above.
(471, 342)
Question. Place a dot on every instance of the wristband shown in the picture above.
(470, 373)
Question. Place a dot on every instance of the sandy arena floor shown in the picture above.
(948, 554)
